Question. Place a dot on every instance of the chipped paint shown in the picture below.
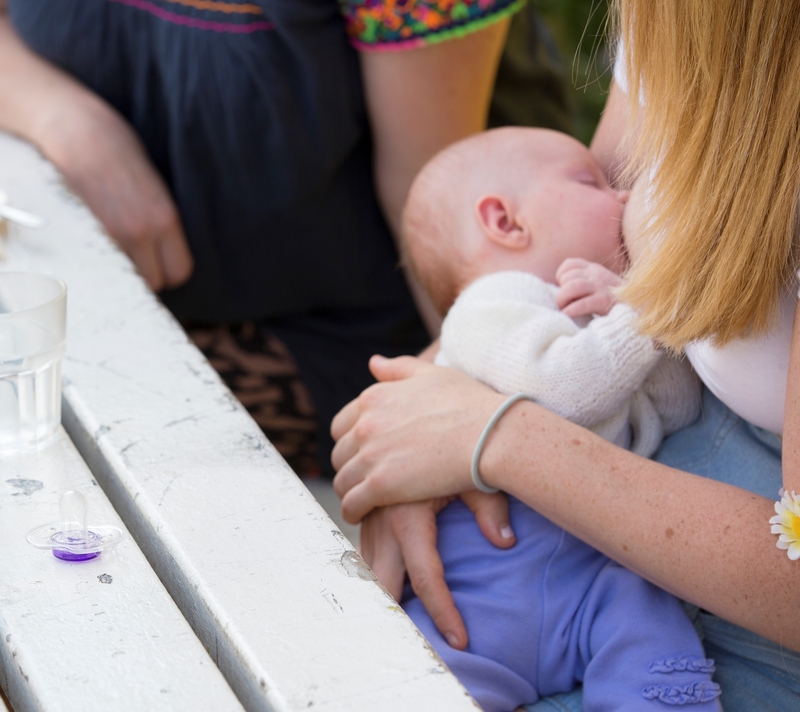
(353, 565)
(28, 487)
(331, 598)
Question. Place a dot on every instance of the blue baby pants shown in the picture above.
(551, 612)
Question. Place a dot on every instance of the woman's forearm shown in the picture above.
(419, 101)
(34, 93)
(98, 154)
(424, 99)
(704, 541)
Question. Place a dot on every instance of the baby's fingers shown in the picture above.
(574, 290)
(568, 265)
(599, 304)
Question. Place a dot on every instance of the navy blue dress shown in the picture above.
(253, 112)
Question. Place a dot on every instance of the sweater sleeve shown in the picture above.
(505, 329)
(674, 390)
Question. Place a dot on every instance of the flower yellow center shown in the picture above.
(796, 525)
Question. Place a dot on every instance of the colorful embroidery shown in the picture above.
(401, 24)
(200, 23)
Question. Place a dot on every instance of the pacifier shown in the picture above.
(70, 539)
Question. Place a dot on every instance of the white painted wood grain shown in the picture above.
(278, 595)
(96, 635)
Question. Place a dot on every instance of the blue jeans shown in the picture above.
(755, 674)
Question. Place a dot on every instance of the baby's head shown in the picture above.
(509, 199)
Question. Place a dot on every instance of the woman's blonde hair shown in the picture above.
(719, 130)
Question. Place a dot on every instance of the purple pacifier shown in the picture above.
(70, 539)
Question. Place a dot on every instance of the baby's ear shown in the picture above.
(497, 219)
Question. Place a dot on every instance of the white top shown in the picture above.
(748, 375)
(506, 330)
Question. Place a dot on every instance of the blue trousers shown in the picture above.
(551, 613)
(754, 673)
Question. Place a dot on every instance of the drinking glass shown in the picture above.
(32, 342)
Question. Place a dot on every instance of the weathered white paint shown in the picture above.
(286, 607)
(97, 635)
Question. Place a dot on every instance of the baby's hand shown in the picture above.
(585, 288)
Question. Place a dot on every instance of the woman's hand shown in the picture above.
(103, 160)
(99, 155)
(410, 437)
(402, 538)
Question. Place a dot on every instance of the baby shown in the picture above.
(491, 226)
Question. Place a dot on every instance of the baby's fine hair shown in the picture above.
(434, 242)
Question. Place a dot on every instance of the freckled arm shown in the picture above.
(702, 540)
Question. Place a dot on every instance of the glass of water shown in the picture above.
(33, 314)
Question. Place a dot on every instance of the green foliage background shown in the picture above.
(578, 27)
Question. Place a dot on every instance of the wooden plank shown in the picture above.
(97, 635)
(280, 598)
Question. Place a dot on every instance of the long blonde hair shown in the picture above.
(720, 132)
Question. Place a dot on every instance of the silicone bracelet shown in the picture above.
(476, 456)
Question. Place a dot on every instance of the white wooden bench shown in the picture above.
(286, 608)
(103, 634)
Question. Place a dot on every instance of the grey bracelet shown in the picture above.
(476, 456)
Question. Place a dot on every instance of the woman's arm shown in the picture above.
(98, 154)
(704, 541)
(790, 458)
(420, 101)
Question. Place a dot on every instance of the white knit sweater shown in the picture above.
(506, 330)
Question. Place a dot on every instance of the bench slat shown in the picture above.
(96, 635)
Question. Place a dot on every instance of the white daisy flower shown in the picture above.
(786, 523)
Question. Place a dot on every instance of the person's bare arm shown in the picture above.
(704, 541)
(791, 416)
(420, 101)
(707, 542)
(99, 155)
